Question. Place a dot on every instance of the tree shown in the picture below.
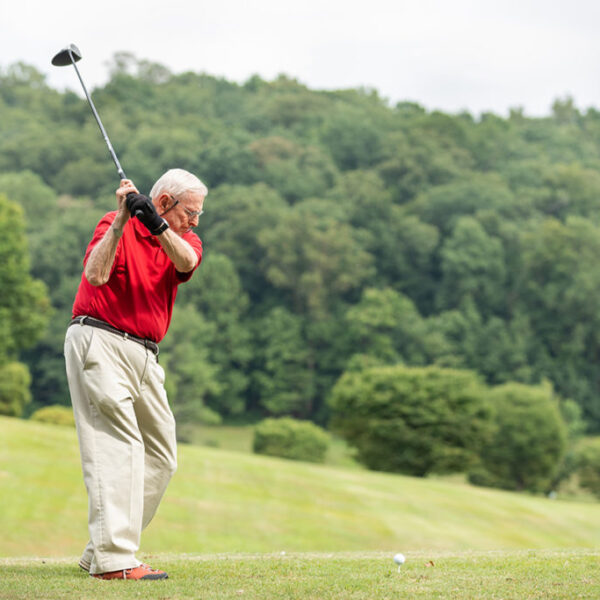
(24, 305)
(558, 287)
(402, 246)
(24, 309)
(529, 442)
(472, 264)
(216, 292)
(411, 420)
(35, 197)
(352, 139)
(314, 259)
(443, 205)
(387, 326)
(14, 388)
(191, 376)
(235, 217)
(283, 379)
(587, 463)
(295, 171)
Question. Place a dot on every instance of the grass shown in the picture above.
(505, 575)
(238, 438)
(223, 501)
(236, 525)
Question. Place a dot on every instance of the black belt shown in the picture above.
(85, 320)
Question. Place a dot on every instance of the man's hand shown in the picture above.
(142, 207)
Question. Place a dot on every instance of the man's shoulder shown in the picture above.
(107, 219)
(110, 216)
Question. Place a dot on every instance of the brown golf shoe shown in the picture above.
(137, 573)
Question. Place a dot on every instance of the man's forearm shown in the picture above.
(100, 261)
(178, 250)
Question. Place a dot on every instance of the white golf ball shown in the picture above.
(399, 559)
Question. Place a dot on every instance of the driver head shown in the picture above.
(67, 56)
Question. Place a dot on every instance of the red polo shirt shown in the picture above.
(139, 295)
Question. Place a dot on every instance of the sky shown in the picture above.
(453, 55)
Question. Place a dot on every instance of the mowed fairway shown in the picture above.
(321, 531)
(518, 575)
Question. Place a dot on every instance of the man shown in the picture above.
(123, 307)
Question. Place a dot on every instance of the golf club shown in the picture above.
(69, 56)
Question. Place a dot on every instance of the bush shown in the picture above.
(55, 414)
(529, 442)
(289, 438)
(14, 389)
(587, 461)
(412, 420)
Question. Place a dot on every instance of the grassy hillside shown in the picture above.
(223, 501)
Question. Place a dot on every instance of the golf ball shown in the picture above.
(399, 559)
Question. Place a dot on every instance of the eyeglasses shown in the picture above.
(191, 214)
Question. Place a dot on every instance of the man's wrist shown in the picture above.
(161, 228)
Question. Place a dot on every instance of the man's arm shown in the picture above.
(100, 261)
(178, 250)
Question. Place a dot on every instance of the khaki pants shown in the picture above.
(126, 434)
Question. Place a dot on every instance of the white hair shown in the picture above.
(178, 182)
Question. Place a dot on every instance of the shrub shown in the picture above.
(587, 461)
(289, 438)
(55, 414)
(529, 443)
(411, 420)
(14, 389)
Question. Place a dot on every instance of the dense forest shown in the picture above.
(340, 231)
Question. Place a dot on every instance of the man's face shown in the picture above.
(181, 213)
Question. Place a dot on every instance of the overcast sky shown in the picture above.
(446, 54)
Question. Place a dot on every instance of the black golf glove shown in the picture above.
(141, 206)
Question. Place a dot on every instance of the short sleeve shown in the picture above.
(194, 241)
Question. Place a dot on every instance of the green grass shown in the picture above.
(229, 502)
(239, 439)
(515, 575)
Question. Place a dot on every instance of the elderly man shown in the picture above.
(123, 307)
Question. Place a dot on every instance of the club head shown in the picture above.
(67, 56)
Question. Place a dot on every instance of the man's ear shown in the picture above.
(164, 200)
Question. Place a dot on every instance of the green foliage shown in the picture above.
(288, 438)
(473, 266)
(587, 464)
(235, 217)
(283, 378)
(54, 414)
(14, 388)
(190, 374)
(411, 420)
(352, 140)
(387, 326)
(377, 233)
(24, 306)
(37, 199)
(314, 260)
(560, 282)
(529, 441)
(216, 292)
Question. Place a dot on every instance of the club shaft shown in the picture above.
(97, 117)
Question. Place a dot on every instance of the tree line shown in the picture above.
(341, 232)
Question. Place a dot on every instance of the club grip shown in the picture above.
(138, 213)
